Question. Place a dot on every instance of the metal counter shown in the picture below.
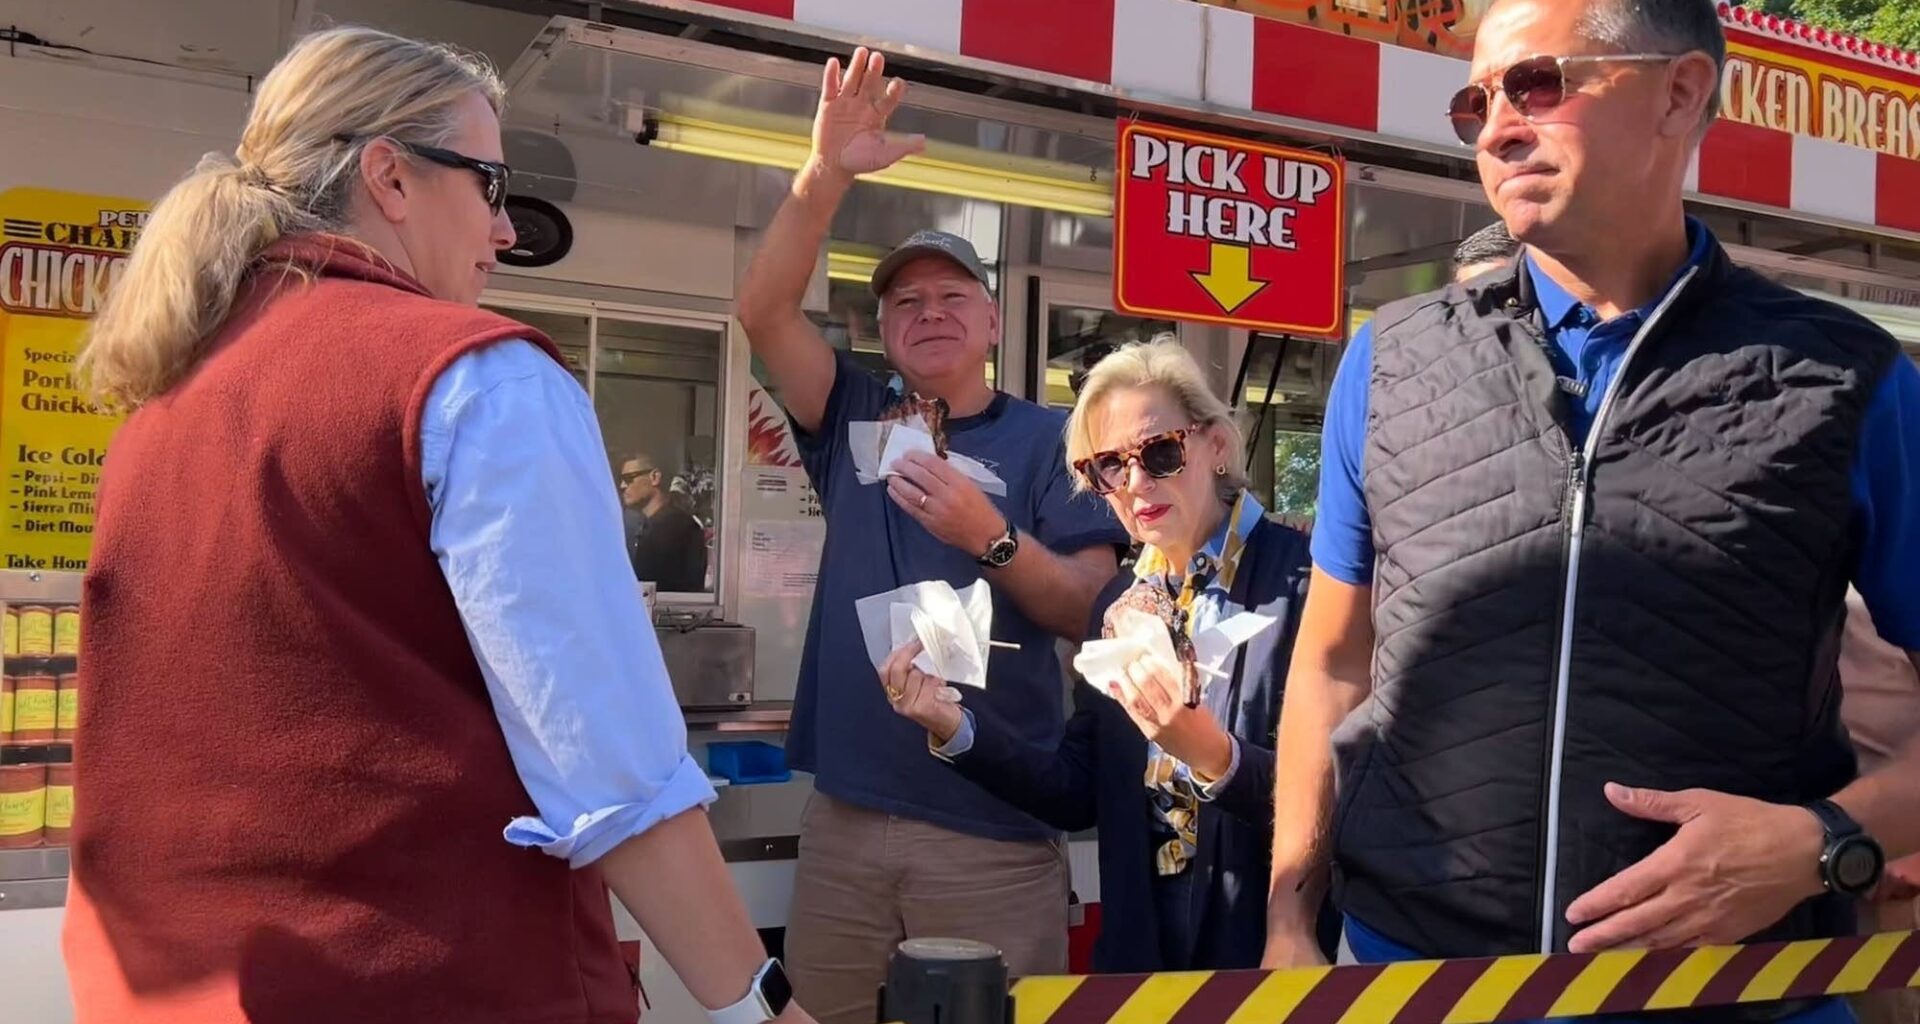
(760, 822)
(31, 879)
(771, 717)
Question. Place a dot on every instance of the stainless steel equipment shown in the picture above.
(710, 662)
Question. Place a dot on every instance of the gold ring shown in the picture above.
(894, 694)
(923, 500)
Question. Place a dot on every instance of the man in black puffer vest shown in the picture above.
(1585, 527)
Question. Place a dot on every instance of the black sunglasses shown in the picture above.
(1161, 455)
(630, 476)
(494, 177)
(1534, 86)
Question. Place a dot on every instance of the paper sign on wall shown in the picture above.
(58, 254)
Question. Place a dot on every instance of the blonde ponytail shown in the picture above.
(179, 284)
(292, 173)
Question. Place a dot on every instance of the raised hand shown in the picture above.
(849, 129)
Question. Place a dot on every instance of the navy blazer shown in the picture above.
(1094, 779)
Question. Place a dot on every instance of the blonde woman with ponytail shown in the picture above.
(358, 600)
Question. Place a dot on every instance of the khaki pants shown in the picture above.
(867, 881)
(1894, 1007)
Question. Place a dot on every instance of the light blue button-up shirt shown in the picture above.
(527, 530)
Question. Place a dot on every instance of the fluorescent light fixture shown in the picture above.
(1018, 186)
(851, 266)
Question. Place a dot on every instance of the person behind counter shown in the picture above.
(894, 845)
(1183, 858)
(1484, 251)
(668, 546)
(358, 600)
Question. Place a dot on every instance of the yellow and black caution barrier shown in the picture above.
(1482, 991)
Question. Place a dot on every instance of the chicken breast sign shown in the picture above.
(1223, 230)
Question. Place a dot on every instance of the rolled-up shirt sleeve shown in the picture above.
(959, 743)
(1207, 791)
(527, 530)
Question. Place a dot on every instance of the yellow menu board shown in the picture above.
(59, 251)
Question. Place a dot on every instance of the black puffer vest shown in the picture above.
(1659, 607)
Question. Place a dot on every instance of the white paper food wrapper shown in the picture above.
(952, 626)
(1136, 633)
(876, 446)
(1139, 633)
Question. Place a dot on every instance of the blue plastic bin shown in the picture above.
(748, 762)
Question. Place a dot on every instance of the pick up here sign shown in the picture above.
(1222, 230)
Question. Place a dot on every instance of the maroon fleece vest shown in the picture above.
(290, 782)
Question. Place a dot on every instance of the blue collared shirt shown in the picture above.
(527, 530)
(1886, 470)
(1588, 349)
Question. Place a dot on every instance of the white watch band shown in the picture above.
(751, 1009)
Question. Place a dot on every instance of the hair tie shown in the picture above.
(252, 174)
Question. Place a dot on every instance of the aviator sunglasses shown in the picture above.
(494, 177)
(1534, 86)
(1161, 455)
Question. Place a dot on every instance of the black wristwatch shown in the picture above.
(1852, 861)
(1000, 552)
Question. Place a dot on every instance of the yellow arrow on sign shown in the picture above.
(1230, 280)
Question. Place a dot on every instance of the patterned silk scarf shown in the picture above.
(1202, 593)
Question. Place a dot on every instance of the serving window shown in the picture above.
(655, 382)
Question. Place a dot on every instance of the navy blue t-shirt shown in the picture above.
(843, 731)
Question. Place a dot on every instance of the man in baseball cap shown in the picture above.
(928, 243)
(894, 843)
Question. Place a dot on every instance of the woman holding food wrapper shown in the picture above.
(1170, 749)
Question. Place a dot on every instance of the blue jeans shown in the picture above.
(1370, 947)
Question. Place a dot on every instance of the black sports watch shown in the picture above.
(1000, 552)
(1852, 862)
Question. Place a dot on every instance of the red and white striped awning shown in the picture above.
(1184, 53)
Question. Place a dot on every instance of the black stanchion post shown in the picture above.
(946, 981)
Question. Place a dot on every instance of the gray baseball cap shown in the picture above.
(930, 243)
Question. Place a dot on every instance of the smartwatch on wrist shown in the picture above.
(765, 1000)
(1000, 552)
(1852, 861)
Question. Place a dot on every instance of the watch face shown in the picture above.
(776, 989)
(1856, 865)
